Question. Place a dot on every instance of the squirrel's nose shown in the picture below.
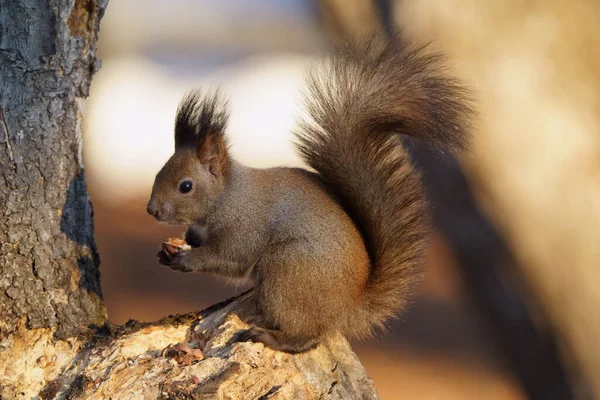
(153, 210)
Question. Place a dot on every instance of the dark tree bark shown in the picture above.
(49, 279)
(54, 339)
(48, 260)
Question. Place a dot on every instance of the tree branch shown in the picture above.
(191, 356)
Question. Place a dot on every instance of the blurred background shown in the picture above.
(508, 307)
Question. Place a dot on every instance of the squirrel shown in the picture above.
(339, 249)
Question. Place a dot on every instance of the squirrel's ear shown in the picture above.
(213, 153)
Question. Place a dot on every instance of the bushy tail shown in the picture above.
(359, 103)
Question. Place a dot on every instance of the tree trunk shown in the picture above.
(54, 339)
(533, 172)
(49, 280)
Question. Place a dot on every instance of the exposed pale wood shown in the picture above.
(187, 357)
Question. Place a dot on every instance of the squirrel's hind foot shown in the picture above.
(276, 340)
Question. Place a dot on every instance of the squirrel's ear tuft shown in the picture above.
(199, 116)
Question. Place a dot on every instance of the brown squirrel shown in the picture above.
(337, 250)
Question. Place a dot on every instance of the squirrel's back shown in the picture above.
(360, 100)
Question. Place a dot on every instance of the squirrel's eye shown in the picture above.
(185, 187)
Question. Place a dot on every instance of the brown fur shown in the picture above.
(338, 250)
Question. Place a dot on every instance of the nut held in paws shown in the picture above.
(172, 246)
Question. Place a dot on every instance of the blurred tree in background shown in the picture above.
(530, 298)
(527, 235)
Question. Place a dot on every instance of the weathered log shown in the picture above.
(195, 356)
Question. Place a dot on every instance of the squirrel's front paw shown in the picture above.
(178, 262)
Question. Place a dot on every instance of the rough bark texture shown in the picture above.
(49, 280)
(194, 357)
(48, 261)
